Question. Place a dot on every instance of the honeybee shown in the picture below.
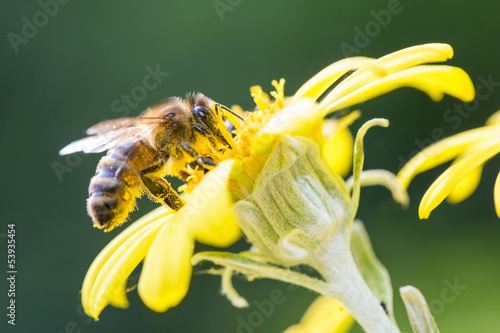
(172, 138)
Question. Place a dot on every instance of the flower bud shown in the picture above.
(295, 200)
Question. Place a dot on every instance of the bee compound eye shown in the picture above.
(199, 111)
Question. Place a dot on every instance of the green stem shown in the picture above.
(344, 283)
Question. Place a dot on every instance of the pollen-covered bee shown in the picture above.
(172, 138)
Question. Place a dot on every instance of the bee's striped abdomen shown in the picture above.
(115, 186)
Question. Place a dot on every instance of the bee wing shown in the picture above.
(114, 124)
(110, 133)
(95, 143)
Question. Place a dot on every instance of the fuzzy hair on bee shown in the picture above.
(176, 137)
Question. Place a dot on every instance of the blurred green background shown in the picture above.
(68, 73)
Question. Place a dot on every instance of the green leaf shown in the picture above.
(372, 270)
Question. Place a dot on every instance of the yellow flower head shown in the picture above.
(286, 144)
(470, 149)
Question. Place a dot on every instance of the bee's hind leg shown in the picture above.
(205, 162)
(160, 189)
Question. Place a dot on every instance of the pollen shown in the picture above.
(254, 121)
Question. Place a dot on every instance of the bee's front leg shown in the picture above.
(205, 162)
(160, 189)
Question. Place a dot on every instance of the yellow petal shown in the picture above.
(494, 119)
(166, 272)
(496, 195)
(395, 62)
(110, 249)
(209, 209)
(337, 151)
(114, 272)
(443, 151)
(416, 55)
(319, 83)
(338, 143)
(445, 183)
(466, 187)
(325, 315)
(433, 80)
(118, 297)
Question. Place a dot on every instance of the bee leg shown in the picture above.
(184, 147)
(161, 189)
(205, 162)
(207, 121)
(201, 130)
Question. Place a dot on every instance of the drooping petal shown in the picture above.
(435, 81)
(395, 62)
(444, 150)
(324, 315)
(496, 195)
(111, 277)
(449, 179)
(167, 269)
(209, 212)
(466, 186)
(109, 250)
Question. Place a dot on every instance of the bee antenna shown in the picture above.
(231, 111)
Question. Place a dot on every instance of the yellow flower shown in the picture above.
(324, 315)
(297, 124)
(470, 149)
